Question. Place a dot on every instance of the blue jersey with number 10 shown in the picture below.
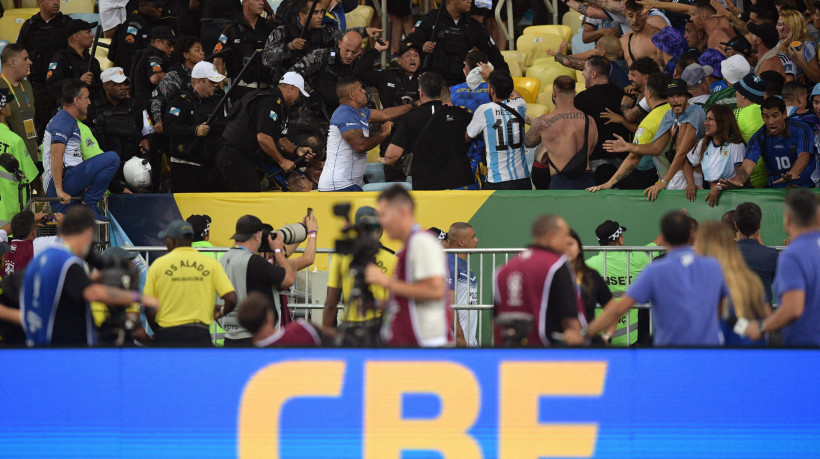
(780, 153)
(504, 138)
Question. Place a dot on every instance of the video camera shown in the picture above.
(361, 240)
(121, 273)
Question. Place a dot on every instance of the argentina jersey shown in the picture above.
(504, 138)
(61, 129)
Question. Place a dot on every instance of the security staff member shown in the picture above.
(396, 87)
(75, 62)
(241, 38)
(43, 35)
(185, 122)
(12, 144)
(15, 66)
(131, 36)
(455, 34)
(153, 65)
(256, 131)
(119, 123)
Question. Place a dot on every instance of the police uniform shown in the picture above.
(22, 114)
(119, 128)
(453, 41)
(130, 37)
(153, 61)
(260, 111)
(241, 40)
(190, 167)
(395, 88)
(42, 40)
(216, 15)
(177, 79)
(69, 65)
(277, 54)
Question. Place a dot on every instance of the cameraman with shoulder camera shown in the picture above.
(418, 312)
(340, 283)
(249, 272)
(56, 290)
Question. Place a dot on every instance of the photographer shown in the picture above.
(249, 272)
(25, 245)
(340, 284)
(56, 289)
(419, 312)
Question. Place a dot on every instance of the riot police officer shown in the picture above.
(119, 123)
(240, 39)
(43, 35)
(290, 42)
(152, 65)
(75, 62)
(131, 36)
(396, 86)
(447, 37)
(193, 143)
(255, 132)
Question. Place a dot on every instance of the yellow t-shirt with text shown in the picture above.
(340, 277)
(185, 282)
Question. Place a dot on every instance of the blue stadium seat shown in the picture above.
(374, 173)
(385, 185)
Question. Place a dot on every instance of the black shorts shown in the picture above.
(193, 335)
(399, 8)
(582, 182)
(520, 184)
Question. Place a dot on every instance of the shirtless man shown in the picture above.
(569, 137)
(638, 43)
(764, 39)
(704, 17)
(615, 11)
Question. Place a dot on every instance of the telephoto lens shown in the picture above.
(295, 233)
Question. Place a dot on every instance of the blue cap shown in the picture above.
(178, 229)
(815, 91)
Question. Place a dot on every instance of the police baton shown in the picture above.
(222, 101)
(426, 64)
(309, 18)
(94, 46)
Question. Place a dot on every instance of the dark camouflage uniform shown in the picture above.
(177, 79)
(277, 54)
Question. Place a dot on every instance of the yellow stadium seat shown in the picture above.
(580, 86)
(373, 155)
(363, 13)
(530, 87)
(548, 60)
(535, 110)
(517, 55)
(77, 6)
(355, 20)
(545, 98)
(563, 31)
(12, 21)
(515, 68)
(548, 73)
(9, 4)
(537, 45)
(573, 19)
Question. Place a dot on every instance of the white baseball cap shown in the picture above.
(205, 69)
(734, 69)
(294, 79)
(114, 74)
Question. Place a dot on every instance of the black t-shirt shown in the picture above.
(595, 100)
(440, 156)
(594, 291)
(263, 277)
(72, 310)
(562, 302)
(265, 113)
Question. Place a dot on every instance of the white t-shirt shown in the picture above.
(719, 161)
(503, 139)
(344, 166)
(427, 259)
(701, 99)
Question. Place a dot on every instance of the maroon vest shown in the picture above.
(402, 310)
(523, 285)
(18, 258)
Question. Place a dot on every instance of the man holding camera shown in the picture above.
(56, 290)
(186, 281)
(249, 272)
(340, 284)
(418, 312)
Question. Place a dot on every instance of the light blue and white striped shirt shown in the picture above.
(504, 139)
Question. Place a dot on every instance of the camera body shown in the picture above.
(295, 233)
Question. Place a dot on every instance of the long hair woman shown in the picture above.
(798, 47)
(716, 154)
(748, 300)
(594, 290)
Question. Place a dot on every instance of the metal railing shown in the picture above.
(305, 301)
